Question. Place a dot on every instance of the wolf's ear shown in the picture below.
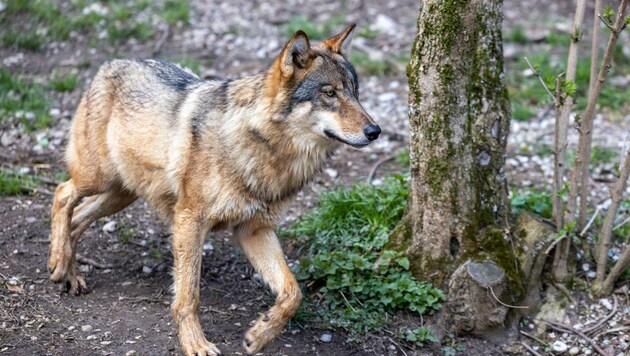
(341, 42)
(297, 53)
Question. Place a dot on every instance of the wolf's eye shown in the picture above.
(330, 93)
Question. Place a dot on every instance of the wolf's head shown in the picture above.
(315, 88)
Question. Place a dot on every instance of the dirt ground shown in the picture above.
(127, 267)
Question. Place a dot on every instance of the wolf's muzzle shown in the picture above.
(372, 132)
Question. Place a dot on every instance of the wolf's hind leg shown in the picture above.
(263, 250)
(62, 251)
(63, 247)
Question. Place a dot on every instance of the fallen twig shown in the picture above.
(91, 262)
(566, 328)
(540, 341)
(530, 349)
(613, 330)
(507, 305)
(604, 319)
(395, 343)
(376, 165)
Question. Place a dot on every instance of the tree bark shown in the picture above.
(459, 121)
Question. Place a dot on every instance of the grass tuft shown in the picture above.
(15, 183)
(23, 100)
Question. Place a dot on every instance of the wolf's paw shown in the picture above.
(259, 335)
(201, 347)
(75, 285)
(60, 272)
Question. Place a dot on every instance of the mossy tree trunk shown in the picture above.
(459, 115)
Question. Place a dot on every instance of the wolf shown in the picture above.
(208, 155)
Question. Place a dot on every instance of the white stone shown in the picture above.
(208, 247)
(383, 24)
(147, 269)
(574, 350)
(54, 112)
(559, 346)
(586, 267)
(326, 338)
(110, 227)
(387, 96)
(606, 303)
(87, 328)
(332, 173)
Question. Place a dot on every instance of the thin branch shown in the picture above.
(605, 236)
(618, 226)
(566, 328)
(590, 222)
(563, 112)
(583, 155)
(376, 165)
(604, 319)
(529, 348)
(347, 302)
(622, 264)
(540, 341)
(542, 82)
(91, 262)
(558, 239)
(605, 22)
(507, 305)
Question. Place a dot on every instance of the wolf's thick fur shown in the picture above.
(208, 155)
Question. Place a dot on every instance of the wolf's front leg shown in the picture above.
(262, 247)
(188, 236)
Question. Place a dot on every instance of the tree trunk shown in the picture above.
(459, 115)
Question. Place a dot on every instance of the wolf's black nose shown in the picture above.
(372, 132)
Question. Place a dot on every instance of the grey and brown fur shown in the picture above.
(208, 155)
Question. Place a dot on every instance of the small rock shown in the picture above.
(105, 343)
(208, 247)
(71, 327)
(586, 267)
(110, 227)
(326, 338)
(2, 6)
(559, 346)
(85, 268)
(30, 219)
(91, 337)
(387, 96)
(332, 173)
(54, 112)
(147, 269)
(6, 139)
(574, 350)
(384, 24)
(606, 303)
(131, 353)
(87, 328)
(591, 274)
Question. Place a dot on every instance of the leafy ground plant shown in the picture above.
(538, 203)
(361, 281)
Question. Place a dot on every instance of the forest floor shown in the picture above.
(49, 57)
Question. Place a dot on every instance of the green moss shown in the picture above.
(494, 246)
